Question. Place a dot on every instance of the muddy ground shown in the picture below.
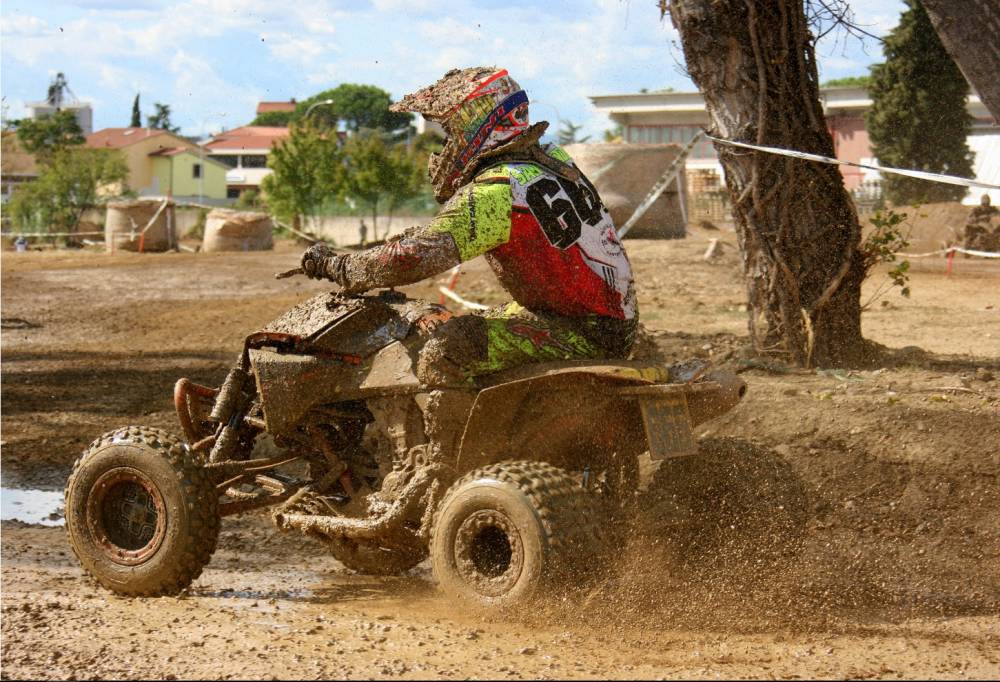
(897, 573)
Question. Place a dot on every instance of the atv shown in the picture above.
(514, 482)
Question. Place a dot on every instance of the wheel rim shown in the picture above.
(489, 554)
(126, 516)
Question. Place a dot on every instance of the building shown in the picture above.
(189, 175)
(145, 150)
(17, 166)
(284, 107)
(61, 97)
(244, 152)
(658, 117)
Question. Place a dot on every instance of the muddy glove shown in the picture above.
(319, 261)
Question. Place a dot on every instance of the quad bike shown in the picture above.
(507, 485)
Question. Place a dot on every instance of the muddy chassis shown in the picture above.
(504, 485)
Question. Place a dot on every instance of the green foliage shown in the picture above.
(307, 169)
(616, 134)
(249, 200)
(848, 82)
(378, 175)
(568, 133)
(885, 240)
(67, 185)
(48, 135)
(161, 119)
(918, 117)
(358, 106)
(136, 121)
(197, 231)
(278, 119)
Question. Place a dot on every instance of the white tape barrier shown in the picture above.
(471, 305)
(42, 235)
(945, 252)
(923, 175)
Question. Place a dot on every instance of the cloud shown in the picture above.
(213, 59)
(23, 26)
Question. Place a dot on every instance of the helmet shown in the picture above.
(480, 109)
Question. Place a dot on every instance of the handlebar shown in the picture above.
(289, 273)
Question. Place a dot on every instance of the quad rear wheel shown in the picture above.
(505, 531)
(141, 514)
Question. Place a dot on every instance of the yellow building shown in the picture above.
(163, 164)
(188, 175)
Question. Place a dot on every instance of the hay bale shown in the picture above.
(140, 225)
(229, 230)
(624, 174)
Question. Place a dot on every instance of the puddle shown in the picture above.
(43, 507)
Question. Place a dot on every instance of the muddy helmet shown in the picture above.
(480, 108)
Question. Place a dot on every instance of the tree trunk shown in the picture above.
(375, 221)
(796, 224)
(969, 30)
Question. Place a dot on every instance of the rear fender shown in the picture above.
(570, 419)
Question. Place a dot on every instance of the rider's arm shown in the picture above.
(473, 221)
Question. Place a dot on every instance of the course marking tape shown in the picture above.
(923, 175)
(944, 252)
(471, 305)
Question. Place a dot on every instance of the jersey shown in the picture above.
(550, 240)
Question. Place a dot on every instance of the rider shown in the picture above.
(539, 222)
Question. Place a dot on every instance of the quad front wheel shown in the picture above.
(505, 531)
(142, 515)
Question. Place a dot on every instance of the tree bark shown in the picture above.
(796, 224)
(969, 30)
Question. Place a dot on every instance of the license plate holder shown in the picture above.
(668, 426)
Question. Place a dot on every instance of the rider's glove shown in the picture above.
(319, 261)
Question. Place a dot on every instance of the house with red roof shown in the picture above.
(244, 152)
(284, 107)
(161, 163)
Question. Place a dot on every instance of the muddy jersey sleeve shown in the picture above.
(475, 219)
(415, 255)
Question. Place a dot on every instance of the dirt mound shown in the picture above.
(140, 225)
(229, 230)
(624, 174)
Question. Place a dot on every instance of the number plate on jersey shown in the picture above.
(668, 426)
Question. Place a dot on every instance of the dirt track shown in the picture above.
(898, 574)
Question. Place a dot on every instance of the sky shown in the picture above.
(213, 60)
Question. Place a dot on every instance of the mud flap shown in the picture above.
(668, 426)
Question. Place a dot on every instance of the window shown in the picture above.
(254, 161)
(196, 170)
(232, 192)
(227, 160)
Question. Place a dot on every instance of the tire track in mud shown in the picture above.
(894, 572)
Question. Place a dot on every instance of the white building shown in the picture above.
(675, 117)
(61, 97)
(244, 151)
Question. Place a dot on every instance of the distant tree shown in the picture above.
(279, 119)
(918, 117)
(358, 106)
(307, 169)
(847, 82)
(568, 133)
(161, 119)
(71, 182)
(249, 200)
(616, 134)
(136, 121)
(379, 175)
(47, 135)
